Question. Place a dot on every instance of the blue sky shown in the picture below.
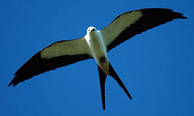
(157, 66)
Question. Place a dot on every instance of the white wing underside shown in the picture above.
(70, 48)
(123, 21)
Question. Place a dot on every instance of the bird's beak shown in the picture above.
(92, 30)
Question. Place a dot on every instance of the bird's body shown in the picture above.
(95, 44)
(98, 49)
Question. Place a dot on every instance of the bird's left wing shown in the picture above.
(56, 55)
(134, 22)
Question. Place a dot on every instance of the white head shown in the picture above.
(91, 29)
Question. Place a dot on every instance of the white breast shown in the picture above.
(98, 49)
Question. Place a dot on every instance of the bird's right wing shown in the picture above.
(135, 22)
(56, 55)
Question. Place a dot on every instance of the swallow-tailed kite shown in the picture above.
(95, 45)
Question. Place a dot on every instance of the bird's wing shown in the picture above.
(56, 55)
(135, 22)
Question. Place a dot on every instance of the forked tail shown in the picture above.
(103, 76)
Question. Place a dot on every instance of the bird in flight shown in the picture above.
(95, 45)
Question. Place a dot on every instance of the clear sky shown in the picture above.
(157, 66)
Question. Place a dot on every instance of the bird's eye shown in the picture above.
(88, 29)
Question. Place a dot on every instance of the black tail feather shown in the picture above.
(102, 77)
(116, 77)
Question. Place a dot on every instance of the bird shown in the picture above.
(95, 45)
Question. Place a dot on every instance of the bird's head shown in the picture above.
(91, 29)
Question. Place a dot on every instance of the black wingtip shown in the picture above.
(14, 81)
(183, 17)
(10, 83)
(178, 15)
